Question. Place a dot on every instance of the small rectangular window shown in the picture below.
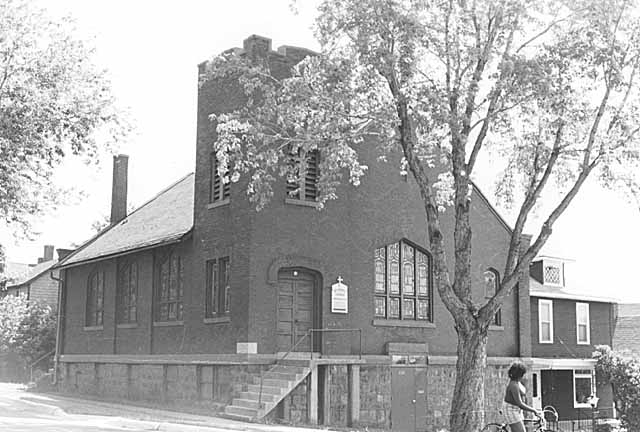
(582, 324)
(218, 288)
(545, 321)
(553, 273)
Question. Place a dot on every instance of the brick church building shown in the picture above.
(321, 317)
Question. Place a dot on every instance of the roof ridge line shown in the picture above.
(110, 226)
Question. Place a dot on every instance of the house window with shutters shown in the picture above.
(219, 192)
(491, 286)
(218, 288)
(402, 283)
(95, 299)
(127, 294)
(170, 289)
(302, 185)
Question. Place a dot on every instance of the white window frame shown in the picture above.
(593, 389)
(553, 263)
(549, 303)
(578, 323)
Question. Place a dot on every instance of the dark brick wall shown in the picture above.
(564, 329)
(340, 241)
(342, 238)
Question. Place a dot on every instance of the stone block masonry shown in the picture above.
(208, 388)
(205, 389)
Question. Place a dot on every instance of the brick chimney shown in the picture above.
(119, 188)
(48, 253)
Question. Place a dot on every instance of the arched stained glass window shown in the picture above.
(491, 286)
(95, 299)
(402, 282)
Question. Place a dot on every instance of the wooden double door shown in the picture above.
(298, 310)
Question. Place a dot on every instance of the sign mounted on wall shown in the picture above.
(339, 297)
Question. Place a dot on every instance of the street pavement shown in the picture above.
(22, 411)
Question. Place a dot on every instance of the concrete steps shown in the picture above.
(276, 385)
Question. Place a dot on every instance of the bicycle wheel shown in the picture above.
(494, 427)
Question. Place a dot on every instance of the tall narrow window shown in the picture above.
(170, 289)
(95, 299)
(127, 293)
(303, 185)
(491, 286)
(218, 191)
(218, 288)
(545, 321)
(402, 282)
(582, 324)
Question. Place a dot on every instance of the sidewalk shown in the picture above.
(148, 418)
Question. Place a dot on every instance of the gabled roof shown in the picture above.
(166, 218)
(629, 310)
(536, 289)
(33, 273)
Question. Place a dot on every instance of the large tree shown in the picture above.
(54, 102)
(548, 85)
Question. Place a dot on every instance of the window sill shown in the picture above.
(546, 342)
(299, 202)
(583, 343)
(127, 325)
(217, 320)
(220, 203)
(403, 323)
(167, 323)
(496, 328)
(92, 328)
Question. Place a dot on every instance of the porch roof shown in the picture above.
(562, 363)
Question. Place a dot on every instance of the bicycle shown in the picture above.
(540, 424)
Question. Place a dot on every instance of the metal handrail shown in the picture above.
(38, 361)
(336, 330)
(262, 374)
(309, 334)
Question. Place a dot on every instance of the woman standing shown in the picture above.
(515, 399)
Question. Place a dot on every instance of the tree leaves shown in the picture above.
(53, 103)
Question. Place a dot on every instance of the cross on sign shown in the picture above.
(339, 279)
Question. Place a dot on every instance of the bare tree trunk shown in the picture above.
(467, 405)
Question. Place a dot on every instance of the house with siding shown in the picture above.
(37, 282)
(320, 317)
(627, 327)
(566, 326)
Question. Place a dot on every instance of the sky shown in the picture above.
(151, 50)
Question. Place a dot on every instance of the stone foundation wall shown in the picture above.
(375, 396)
(208, 388)
(200, 388)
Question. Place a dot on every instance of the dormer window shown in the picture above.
(553, 273)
